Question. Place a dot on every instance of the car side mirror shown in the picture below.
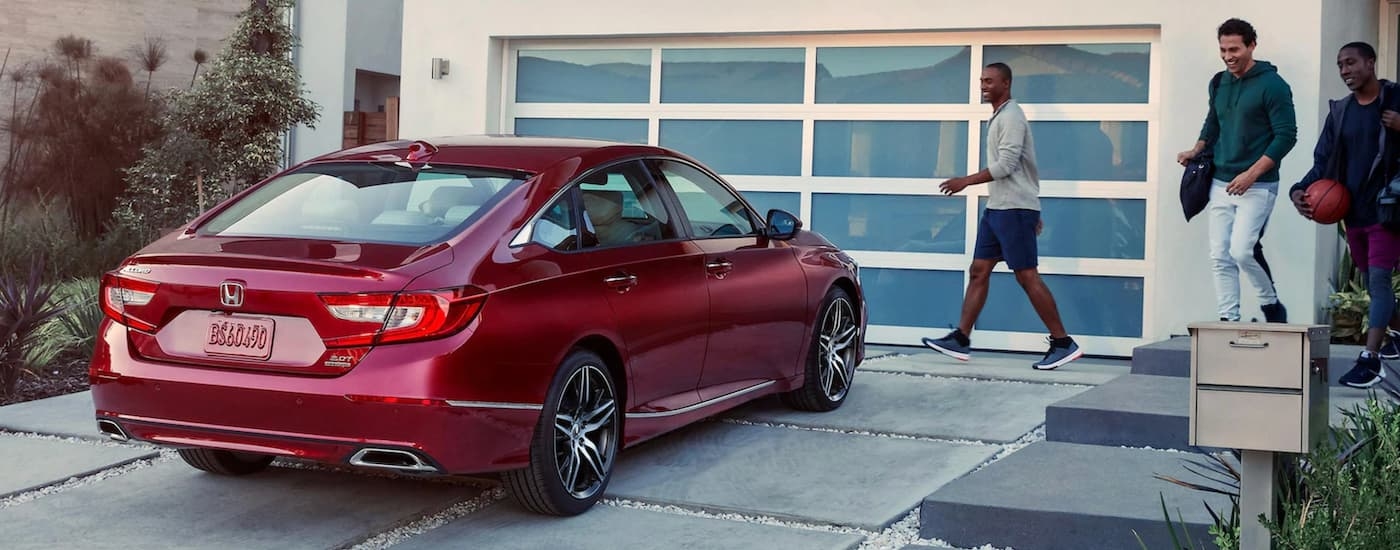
(782, 225)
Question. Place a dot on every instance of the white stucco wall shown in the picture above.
(467, 101)
(321, 27)
(374, 32)
(339, 37)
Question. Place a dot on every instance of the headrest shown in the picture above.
(596, 178)
(458, 214)
(603, 207)
(448, 196)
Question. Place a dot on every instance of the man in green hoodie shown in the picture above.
(1252, 126)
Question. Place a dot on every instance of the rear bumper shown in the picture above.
(312, 417)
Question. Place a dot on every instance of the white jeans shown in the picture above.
(1236, 223)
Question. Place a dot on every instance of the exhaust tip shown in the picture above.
(113, 430)
(390, 459)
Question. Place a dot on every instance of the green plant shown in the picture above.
(25, 306)
(1350, 490)
(225, 133)
(81, 316)
(40, 231)
(1349, 308)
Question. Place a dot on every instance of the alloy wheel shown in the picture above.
(836, 349)
(585, 432)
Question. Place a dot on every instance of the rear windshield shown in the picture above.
(364, 202)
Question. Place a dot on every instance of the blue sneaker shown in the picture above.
(1059, 354)
(1366, 373)
(951, 345)
(1391, 349)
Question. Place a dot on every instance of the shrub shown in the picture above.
(71, 335)
(87, 122)
(224, 134)
(40, 231)
(1350, 490)
(25, 306)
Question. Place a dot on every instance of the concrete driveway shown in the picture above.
(761, 476)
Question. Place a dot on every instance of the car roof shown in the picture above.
(525, 154)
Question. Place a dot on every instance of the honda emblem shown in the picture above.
(231, 293)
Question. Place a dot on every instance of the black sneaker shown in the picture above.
(1391, 349)
(1275, 313)
(1059, 354)
(1366, 373)
(951, 345)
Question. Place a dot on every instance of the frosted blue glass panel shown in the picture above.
(912, 297)
(751, 147)
(889, 149)
(624, 130)
(897, 74)
(1076, 73)
(583, 76)
(896, 223)
(1087, 150)
(1090, 228)
(763, 201)
(732, 75)
(1089, 305)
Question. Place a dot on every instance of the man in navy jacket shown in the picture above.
(1353, 150)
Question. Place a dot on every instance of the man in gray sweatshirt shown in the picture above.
(1009, 225)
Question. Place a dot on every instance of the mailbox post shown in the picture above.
(1262, 389)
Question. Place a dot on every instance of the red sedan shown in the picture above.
(486, 304)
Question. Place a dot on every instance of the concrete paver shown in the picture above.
(821, 477)
(66, 415)
(171, 505)
(505, 526)
(996, 412)
(39, 462)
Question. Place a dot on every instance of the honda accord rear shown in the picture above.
(487, 304)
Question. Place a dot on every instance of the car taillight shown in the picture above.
(405, 316)
(119, 294)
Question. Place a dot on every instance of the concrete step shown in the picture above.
(1172, 357)
(1134, 410)
(1053, 495)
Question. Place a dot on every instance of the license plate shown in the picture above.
(239, 336)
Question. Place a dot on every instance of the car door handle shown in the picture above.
(621, 282)
(719, 268)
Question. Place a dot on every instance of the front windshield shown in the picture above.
(366, 202)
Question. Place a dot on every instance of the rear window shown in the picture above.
(380, 202)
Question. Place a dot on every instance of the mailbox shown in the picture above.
(1259, 386)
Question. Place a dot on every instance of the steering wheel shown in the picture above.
(726, 229)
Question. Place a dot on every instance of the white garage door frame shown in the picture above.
(809, 112)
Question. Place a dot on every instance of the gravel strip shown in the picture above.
(80, 440)
(76, 482)
(428, 523)
(979, 379)
(887, 435)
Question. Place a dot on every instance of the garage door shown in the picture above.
(854, 132)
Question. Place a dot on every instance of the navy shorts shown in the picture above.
(1008, 235)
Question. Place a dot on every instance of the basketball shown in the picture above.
(1329, 200)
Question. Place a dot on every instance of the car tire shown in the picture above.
(576, 441)
(228, 463)
(831, 357)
